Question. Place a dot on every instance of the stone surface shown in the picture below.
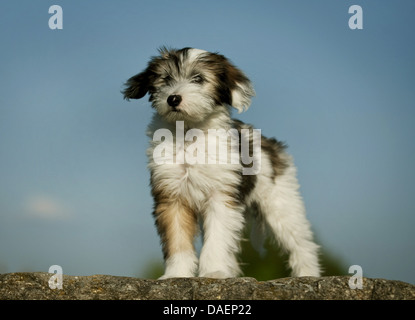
(35, 286)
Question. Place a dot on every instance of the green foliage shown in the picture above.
(153, 270)
(272, 264)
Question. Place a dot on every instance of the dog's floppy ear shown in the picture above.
(240, 86)
(138, 85)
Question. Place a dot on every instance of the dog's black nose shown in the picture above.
(174, 100)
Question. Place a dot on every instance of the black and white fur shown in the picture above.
(199, 88)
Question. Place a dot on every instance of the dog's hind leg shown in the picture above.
(282, 209)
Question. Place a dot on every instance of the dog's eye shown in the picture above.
(197, 79)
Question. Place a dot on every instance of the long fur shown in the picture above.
(196, 90)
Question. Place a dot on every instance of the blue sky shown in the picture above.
(73, 180)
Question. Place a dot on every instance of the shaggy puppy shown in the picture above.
(210, 172)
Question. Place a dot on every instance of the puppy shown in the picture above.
(213, 173)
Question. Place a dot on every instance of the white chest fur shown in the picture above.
(187, 169)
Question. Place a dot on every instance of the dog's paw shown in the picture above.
(215, 275)
(169, 276)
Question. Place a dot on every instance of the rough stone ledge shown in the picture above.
(35, 286)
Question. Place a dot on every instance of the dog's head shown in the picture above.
(191, 84)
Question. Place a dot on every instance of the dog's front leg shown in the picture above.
(223, 222)
(177, 227)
